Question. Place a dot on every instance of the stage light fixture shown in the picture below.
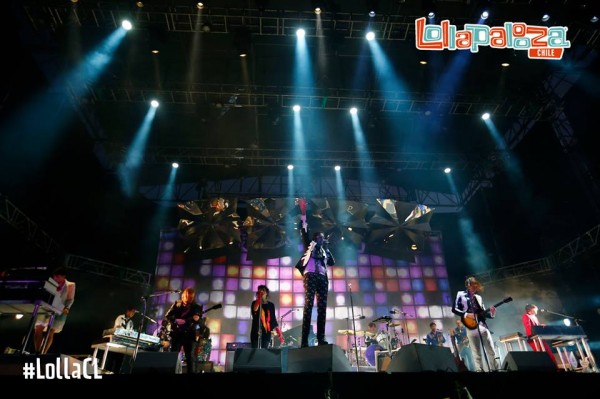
(370, 36)
(126, 25)
(485, 116)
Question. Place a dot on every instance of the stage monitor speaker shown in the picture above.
(528, 361)
(260, 360)
(230, 354)
(420, 357)
(318, 359)
(157, 363)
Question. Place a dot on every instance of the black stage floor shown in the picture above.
(511, 384)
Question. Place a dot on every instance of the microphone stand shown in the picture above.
(139, 333)
(405, 329)
(576, 320)
(353, 327)
(259, 297)
(281, 323)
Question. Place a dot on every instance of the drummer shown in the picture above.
(371, 334)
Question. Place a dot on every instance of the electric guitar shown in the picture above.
(201, 329)
(471, 324)
(194, 325)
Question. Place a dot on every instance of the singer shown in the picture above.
(313, 267)
(184, 316)
(268, 320)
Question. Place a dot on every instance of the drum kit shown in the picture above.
(382, 341)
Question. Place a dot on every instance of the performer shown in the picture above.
(268, 320)
(461, 345)
(469, 306)
(184, 317)
(126, 320)
(64, 299)
(529, 319)
(435, 337)
(313, 267)
(371, 334)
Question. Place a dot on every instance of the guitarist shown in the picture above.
(469, 306)
(184, 316)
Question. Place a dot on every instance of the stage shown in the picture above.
(511, 384)
(317, 372)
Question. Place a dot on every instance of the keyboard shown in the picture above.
(561, 333)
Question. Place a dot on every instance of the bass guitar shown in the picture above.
(471, 323)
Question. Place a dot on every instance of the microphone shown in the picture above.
(362, 317)
(176, 291)
(542, 310)
(413, 341)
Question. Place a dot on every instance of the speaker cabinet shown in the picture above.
(260, 360)
(157, 363)
(421, 357)
(528, 361)
(317, 359)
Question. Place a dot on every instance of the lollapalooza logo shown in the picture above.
(540, 42)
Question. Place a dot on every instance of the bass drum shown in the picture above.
(370, 354)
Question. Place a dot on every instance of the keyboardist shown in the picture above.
(64, 298)
(126, 320)
(529, 319)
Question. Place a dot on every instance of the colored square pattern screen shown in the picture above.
(409, 294)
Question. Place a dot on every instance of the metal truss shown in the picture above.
(537, 266)
(578, 246)
(278, 187)
(546, 105)
(123, 274)
(184, 17)
(32, 232)
(548, 264)
(316, 158)
(256, 96)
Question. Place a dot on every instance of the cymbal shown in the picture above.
(382, 319)
(369, 334)
(396, 324)
(350, 332)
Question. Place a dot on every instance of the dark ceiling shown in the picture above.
(223, 117)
